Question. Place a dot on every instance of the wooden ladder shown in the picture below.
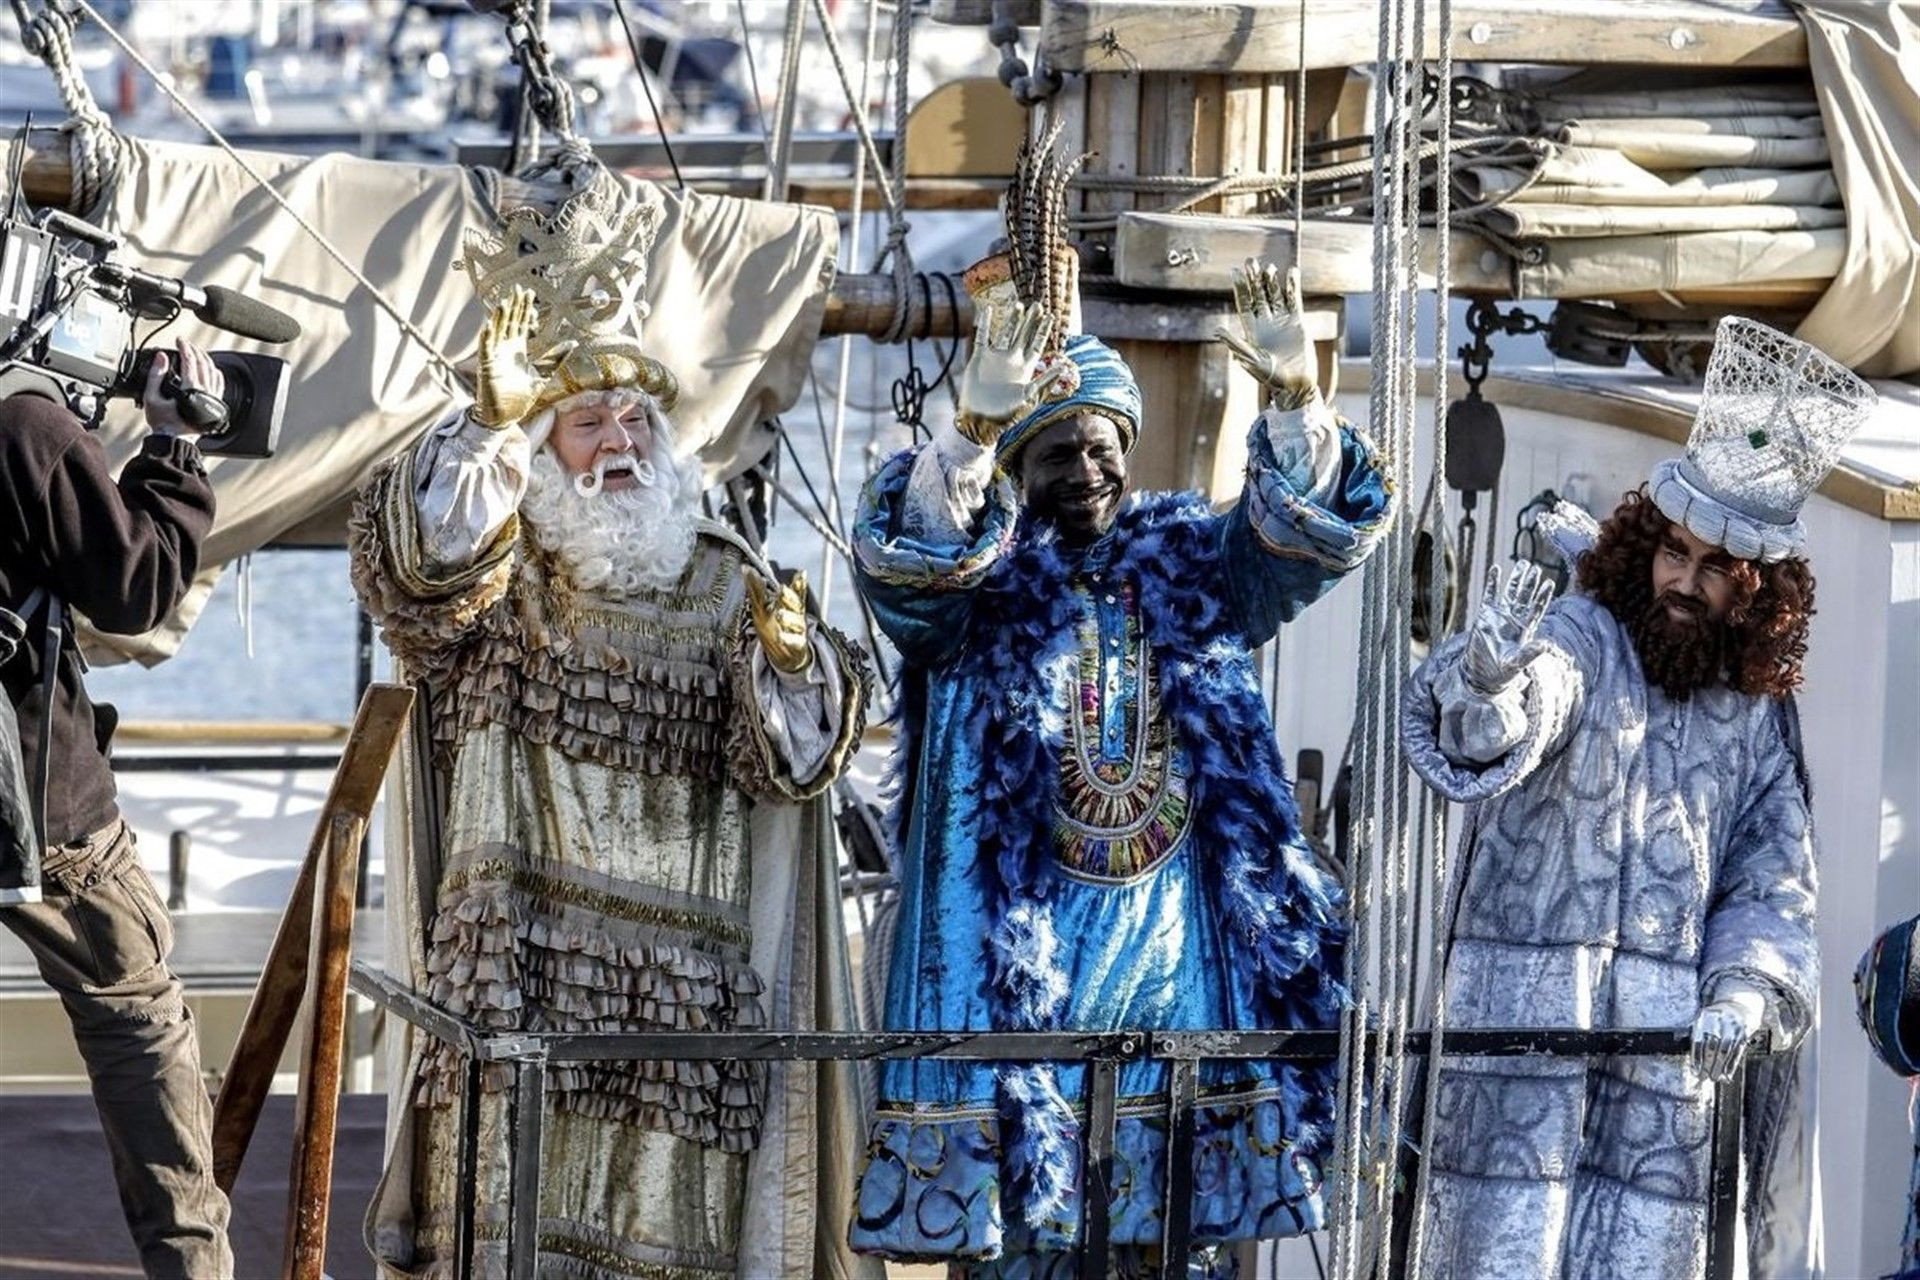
(308, 967)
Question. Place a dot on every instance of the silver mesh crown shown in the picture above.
(1774, 415)
(1773, 418)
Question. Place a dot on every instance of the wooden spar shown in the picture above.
(317, 1106)
(1263, 36)
(862, 304)
(1197, 253)
(283, 978)
(272, 732)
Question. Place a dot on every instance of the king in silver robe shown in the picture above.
(632, 717)
(1640, 853)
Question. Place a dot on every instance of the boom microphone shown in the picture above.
(237, 313)
(161, 297)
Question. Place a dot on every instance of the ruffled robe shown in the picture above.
(1628, 853)
(624, 848)
(1095, 830)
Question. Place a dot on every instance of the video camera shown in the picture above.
(66, 333)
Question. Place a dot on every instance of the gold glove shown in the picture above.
(507, 383)
(1272, 344)
(780, 616)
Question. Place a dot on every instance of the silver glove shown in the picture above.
(1504, 635)
(1724, 1029)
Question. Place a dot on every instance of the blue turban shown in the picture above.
(1106, 388)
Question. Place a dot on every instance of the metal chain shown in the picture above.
(550, 96)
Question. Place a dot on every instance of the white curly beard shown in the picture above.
(619, 543)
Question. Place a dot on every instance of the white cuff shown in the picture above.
(469, 481)
(947, 489)
(1306, 444)
(1477, 727)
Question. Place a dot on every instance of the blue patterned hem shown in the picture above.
(931, 1185)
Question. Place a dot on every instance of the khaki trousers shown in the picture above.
(100, 937)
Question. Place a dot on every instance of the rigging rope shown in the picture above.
(1440, 919)
(1396, 957)
(646, 86)
(1300, 135)
(856, 107)
(753, 69)
(449, 376)
(1382, 872)
(785, 102)
(854, 213)
(92, 146)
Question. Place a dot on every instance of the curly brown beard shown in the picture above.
(1680, 656)
(1758, 648)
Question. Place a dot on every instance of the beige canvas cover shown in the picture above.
(1628, 159)
(737, 289)
(1866, 71)
(1642, 185)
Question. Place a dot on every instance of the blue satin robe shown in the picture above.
(1131, 669)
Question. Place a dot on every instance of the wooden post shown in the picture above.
(283, 978)
(317, 1106)
(1185, 124)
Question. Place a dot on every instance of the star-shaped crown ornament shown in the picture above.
(586, 265)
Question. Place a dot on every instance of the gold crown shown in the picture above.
(586, 266)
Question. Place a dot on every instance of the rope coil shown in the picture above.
(93, 146)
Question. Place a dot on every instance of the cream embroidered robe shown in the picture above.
(625, 847)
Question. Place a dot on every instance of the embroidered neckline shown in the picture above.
(1119, 818)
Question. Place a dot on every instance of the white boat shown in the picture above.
(1587, 434)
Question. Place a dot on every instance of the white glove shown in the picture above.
(1570, 528)
(1272, 344)
(1725, 1028)
(998, 380)
(1503, 640)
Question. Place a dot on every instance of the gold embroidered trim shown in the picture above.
(543, 885)
(1118, 820)
(620, 1264)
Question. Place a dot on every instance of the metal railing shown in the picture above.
(529, 1054)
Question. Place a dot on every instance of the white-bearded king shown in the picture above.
(631, 718)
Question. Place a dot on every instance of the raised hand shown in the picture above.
(1503, 639)
(999, 378)
(1272, 344)
(780, 616)
(507, 383)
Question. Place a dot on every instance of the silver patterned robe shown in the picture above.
(1627, 854)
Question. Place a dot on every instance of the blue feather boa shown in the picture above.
(1283, 914)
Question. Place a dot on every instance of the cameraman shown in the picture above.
(123, 554)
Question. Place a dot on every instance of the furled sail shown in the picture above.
(736, 290)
